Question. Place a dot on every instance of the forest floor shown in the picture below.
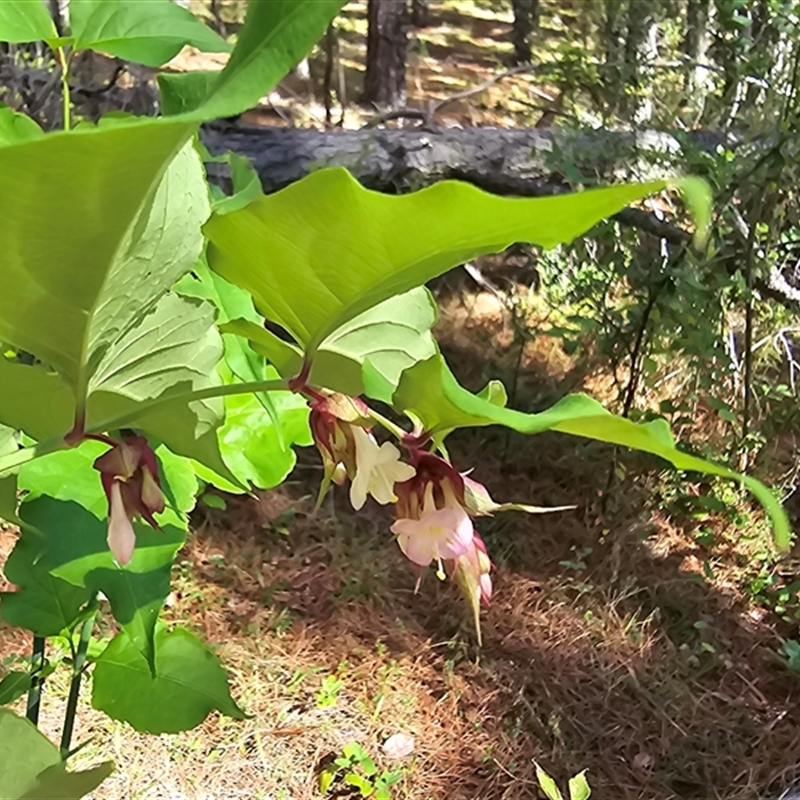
(625, 637)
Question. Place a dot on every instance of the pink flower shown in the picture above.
(129, 473)
(439, 534)
(431, 523)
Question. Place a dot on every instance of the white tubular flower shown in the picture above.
(378, 468)
(121, 538)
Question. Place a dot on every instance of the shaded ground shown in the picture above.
(607, 646)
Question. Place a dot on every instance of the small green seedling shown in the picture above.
(328, 693)
(578, 786)
(357, 769)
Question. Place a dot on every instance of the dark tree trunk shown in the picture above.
(387, 45)
(526, 16)
(420, 13)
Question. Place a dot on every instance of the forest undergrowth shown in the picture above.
(624, 635)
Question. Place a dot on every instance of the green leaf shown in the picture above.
(390, 337)
(149, 32)
(246, 185)
(324, 250)
(25, 21)
(697, 194)
(44, 604)
(31, 768)
(231, 301)
(16, 127)
(55, 783)
(275, 36)
(24, 754)
(188, 684)
(8, 485)
(69, 294)
(89, 299)
(250, 443)
(13, 686)
(75, 550)
(579, 788)
(547, 784)
(431, 393)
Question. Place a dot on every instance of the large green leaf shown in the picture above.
(73, 211)
(31, 768)
(275, 36)
(392, 336)
(324, 250)
(25, 21)
(188, 683)
(89, 299)
(148, 32)
(43, 604)
(75, 550)
(430, 392)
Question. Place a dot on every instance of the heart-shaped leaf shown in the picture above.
(188, 683)
(430, 392)
(275, 36)
(324, 250)
(149, 32)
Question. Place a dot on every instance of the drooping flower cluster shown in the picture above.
(434, 503)
(129, 474)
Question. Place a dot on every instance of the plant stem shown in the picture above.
(10, 462)
(395, 430)
(78, 662)
(35, 692)
(127, 420)
(62, 57)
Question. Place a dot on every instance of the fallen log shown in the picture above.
(396, 160)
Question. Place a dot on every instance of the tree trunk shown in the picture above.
(695, 45)
(420, 13)
(526, 13)
(387, 45)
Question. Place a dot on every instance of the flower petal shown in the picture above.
(121, 537)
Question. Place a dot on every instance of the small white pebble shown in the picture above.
(399, 746)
